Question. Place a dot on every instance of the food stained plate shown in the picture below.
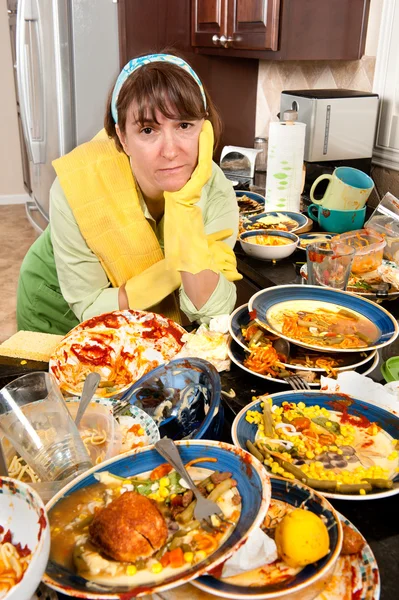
(253, 484)
(270, 305)
(366, 285)
(241, 317)
(121, 346)
(281, 219)
(255, 205)
(363, 450)
(355, 576)
(237, 355)
(310, 238)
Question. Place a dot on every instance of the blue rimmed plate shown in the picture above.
(309, 238)
(299, 219)
(354, 576)
(253, 484)
(253, 196)
(279, 297)
(242, 430)
(240, 318)
(313, 578)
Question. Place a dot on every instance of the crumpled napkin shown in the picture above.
(209, 342)
(363, 388)
(258, 550)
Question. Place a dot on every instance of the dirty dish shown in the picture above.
(267, 244)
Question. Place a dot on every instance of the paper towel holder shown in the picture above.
(242, 160)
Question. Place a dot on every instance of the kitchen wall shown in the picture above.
(274, 77)
(11, 183)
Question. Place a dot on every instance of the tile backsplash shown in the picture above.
(274, 77)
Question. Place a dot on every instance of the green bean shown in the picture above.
(267, 419)
(347, 313)
(220, 489)
(187, 514)
(254, 451)
(353, 488)
(324, 485)
(382, 484)
(190, 526)
(295, 471)
(263, 450)
(363, 337)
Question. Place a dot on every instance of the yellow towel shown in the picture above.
(99, 185)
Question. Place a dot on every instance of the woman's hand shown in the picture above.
(191, 192)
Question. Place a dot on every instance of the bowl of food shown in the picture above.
(250, 202)
(369, 248)
(127, 528)
(183, 397)
(305, 541)
(268, 244)
(24, 540)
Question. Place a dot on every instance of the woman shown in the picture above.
(138, 212)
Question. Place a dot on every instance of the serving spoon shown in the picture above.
(89, 387)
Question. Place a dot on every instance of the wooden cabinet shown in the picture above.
(237, 24)
(280, 29)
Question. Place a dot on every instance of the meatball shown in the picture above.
(353, 541)
(129, 528)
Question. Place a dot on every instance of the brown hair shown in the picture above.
(165, 87)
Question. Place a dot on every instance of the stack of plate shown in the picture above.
(263, 305)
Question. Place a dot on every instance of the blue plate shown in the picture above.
(192, 385)
(262, 301)
(296, 495)
(240, 317)
(295, 216)
(257, 197)
(242, 430)
(320, 236)
(253, 484)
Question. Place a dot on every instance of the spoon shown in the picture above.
(282, 346)
(89, 387)
(3, 464)
(204, 508)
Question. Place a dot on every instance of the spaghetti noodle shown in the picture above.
(14, 560)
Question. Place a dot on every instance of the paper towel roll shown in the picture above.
(284, 166)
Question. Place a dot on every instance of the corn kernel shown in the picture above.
(393, 455)
(309, 454)
(173, 496)
(131, 570)
(188, 557)
(163, 492)
(362, 492)
(164, 481)
(156, 567)
(200, 555)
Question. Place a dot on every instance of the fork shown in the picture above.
(203, 508)
(119, 406)
(297, 382)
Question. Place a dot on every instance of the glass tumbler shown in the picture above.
(35, 418)
(329, 265)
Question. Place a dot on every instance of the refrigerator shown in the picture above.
(66, 59)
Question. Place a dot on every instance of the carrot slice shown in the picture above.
(200, 460)
(176, 558)
(161, 471)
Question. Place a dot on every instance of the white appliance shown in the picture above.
(340, 124)
(67, 58)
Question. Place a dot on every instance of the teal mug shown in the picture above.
(337, 221)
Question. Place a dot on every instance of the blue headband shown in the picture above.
(136, 63)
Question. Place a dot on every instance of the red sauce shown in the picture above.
(158, 330)
(1, 529)
(247, 460)
(42, 523)
(136, 592)
(367, 443)
(7, 537)
(109, 320)
(252, 314)
(92, 355)
(22, 551)
(359, 421)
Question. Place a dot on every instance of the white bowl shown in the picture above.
(23, 513)
(268, 252)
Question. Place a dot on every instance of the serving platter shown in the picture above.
(265, 304)
(253, 485)
(355, 576)
(349, 361)
(121, 346)
(360, 284)
(237, 355)
(299, 218)
(357, 411)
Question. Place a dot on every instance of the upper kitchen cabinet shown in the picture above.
(280, 29)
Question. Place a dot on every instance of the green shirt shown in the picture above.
(83, 281)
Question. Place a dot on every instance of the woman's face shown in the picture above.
(163, 155)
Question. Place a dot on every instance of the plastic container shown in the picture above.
(390, 369)
(369, 246)
(98, 429)
(385, 221)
